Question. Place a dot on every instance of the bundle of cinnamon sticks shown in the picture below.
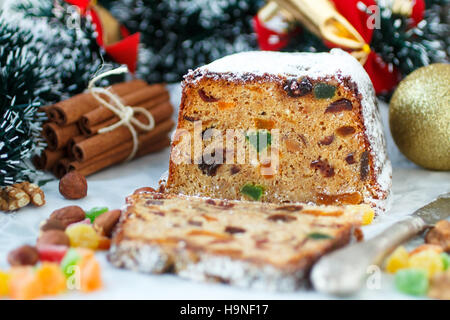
(72, 132)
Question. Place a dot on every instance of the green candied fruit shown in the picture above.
(445, 260)
(260, 139)
(70, 260)
(324, 91)
(95, 212)
(319, 236)
(412, 281)
(253, 191)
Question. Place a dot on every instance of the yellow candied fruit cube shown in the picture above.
(23, 284)
(52, 279)
(399, 259)
(428, 260)
(367, 217)
(4, 283)
(83, 235)
(363, 212)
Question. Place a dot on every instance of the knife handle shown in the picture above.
(343, 272)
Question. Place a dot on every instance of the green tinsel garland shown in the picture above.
(43, 59)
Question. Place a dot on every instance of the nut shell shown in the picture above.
(53, 237)
(23, 256)
(68, 215)
(73, 186)
(52, 224)
(105, 223)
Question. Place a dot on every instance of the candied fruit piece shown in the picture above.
(223, 105)
(252, 191)
(319, 236)
(336, 199)
(264, 124)
(426, 247)
(104, 243)
(91, 279)
(364, 170)
(367, 217)
(445, 260)
(83, 235)
(296, 89)
(51, 253)
(4, 283)
(324, 167)
(95, 212)
(428, 260)
(51, 278)
(324, 91)
(206, 97)
(211, 165)
(397, 260)
(24, 284)
(339, 105)
(69, 261)
(260, 139)
(412, 281)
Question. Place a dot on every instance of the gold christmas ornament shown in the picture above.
(419, 116)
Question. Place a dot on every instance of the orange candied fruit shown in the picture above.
(51, 278)
(91, 278)
(24, 284)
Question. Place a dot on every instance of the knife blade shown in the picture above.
(436, 210)
(343, 272)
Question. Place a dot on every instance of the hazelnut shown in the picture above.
(52, 224)
(68, 215)
(54, 237)
(23, 256)
(73, 186)
(105, 223)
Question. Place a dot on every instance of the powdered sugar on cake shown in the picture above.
(339, 65)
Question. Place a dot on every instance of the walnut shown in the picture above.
(440, 235)
(20, 195)
(35, 193)
(12, 198)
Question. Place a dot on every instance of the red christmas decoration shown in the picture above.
(384, 77)
(124, 51)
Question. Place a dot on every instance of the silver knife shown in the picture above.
(343, 272)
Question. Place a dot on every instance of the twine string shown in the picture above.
(126, 114)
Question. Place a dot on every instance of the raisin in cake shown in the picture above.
(322, 108)
(249, 244)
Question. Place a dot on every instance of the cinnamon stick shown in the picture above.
(49, 158)
(100, 143)
(101, 113)
(61, 168)
(95, 167)
(73, 141)
(70, 110)
(119, 154)
(159, 112)
(57, 136)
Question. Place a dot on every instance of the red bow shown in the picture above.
(384, 77)
(124, 51)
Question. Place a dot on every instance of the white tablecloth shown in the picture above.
(413, 187)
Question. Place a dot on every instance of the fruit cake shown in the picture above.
(244, 243)
(307, 125)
